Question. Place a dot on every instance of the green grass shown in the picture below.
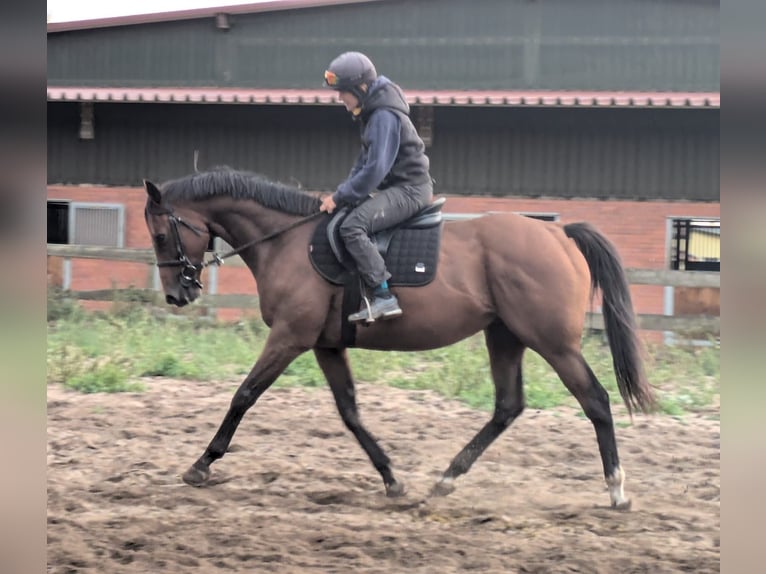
(108, 378)
(110, 352)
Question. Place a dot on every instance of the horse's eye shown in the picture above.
(160, 238)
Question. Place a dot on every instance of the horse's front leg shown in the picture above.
(335, 366)
(277, 354)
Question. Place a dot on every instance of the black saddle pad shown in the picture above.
(411, 258)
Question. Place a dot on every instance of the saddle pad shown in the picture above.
(411, 258)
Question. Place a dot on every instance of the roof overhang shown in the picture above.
(184, 95)
(194, 14)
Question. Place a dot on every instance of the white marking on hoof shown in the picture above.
(443, 487)
(395, 489)
(196, 476)
(615, 483)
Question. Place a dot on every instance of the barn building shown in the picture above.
(599, 110)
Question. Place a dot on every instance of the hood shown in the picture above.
(385, 94)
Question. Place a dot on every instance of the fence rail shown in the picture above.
(692, 323)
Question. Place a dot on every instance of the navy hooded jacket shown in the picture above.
(392, 152)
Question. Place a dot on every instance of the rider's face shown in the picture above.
(349, 100)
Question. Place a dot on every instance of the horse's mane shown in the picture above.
(236, 184)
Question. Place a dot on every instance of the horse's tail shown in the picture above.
(607, 273)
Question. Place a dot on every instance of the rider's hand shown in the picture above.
(328, 204)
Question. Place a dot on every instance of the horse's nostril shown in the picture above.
(182, 302)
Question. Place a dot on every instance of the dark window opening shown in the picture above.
(542, 216)
(58, 222)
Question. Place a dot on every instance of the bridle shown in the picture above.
(190, 272)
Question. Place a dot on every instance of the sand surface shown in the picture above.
(296, 493)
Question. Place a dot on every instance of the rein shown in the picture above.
(189, 274)
(218, 259)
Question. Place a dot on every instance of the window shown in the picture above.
(58, 222)
(695, 244)
(93, 224)
(86, 223)
(76, 223)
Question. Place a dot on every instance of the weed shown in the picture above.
(103, 352)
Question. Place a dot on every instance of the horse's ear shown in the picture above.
(153, 192)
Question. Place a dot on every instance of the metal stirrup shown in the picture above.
(369, 307)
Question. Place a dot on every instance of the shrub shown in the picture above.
(60, 305)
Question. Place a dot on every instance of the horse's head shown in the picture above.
(180, 238)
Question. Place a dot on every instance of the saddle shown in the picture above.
(410, 249)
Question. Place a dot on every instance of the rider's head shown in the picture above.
(351, 73)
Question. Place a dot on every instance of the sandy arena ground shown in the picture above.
(297, 493)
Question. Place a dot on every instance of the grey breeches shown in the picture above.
(384, 209)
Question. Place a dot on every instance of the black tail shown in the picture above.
(607, 274)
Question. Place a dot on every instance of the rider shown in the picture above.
(390, 180)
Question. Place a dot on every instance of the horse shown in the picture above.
(526, 283)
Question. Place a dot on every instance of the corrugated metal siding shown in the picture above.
(300, 145)
(625, 154)
(171, 53)
(622, 154)
(670, 45)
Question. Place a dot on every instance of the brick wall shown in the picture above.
(638, 229)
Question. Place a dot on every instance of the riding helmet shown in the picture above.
(351, 72)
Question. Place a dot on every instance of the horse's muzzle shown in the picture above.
(171, 300)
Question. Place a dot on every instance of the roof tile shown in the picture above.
(213, 95)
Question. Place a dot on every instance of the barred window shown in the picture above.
(96, 224)
(78, 223)
(695, 244)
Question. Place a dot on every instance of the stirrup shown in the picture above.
(369, 318)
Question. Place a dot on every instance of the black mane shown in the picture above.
(241, 185)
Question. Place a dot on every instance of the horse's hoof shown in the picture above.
(623, 505)
(196, 476)
(395, 489)
(444, 487)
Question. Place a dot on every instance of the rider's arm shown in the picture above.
(380, 146)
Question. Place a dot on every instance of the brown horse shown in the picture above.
(524, 282)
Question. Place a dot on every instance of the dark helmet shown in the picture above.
(348, 72)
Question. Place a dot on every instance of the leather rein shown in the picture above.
(189, 274)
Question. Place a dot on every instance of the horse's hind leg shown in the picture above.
(505, 354)
(334, 365)
(578, 377)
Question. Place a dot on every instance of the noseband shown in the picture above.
(189, 274)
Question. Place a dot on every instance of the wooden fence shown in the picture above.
(708, 324)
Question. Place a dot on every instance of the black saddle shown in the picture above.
(410, 249)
